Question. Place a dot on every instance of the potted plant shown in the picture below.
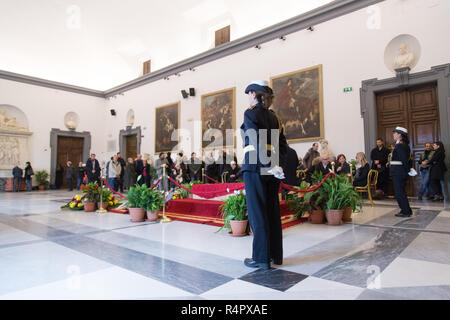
(41, 177)
(317, 200)
(234, 213)
(152, 201)
(297, 203)
(339, 191)
(137, 212)
(105, 196)
(91, 194)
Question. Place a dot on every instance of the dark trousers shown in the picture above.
(264, 216)
(69, 183)
(400, 193)
(382, 180)
(436, 186)
(16, 184)
(120, 183)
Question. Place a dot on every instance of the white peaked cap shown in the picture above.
(401, 130)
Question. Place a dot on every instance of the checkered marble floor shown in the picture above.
(46, 253)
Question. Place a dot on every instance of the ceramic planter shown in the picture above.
(347, 214)
(152, 215)
(41, 187)
(317, 216)
(238, 227)
(137, 214)
(334, 217)
(89, 206)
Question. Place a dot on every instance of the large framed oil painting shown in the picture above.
(218, 114)
(167, 120)
(299, 103)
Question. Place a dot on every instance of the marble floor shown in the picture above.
(46, 253)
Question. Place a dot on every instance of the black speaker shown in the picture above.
(192, 92)
(113, 112)
(184, 93)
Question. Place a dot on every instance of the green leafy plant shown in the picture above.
(296, 201)
(91, 192)
(317, 199)
(341, 194)
(150, 199)
(104, 195)
(134, 196)
(234, 208)
(316, 177)
(42, 177)
(183, 192)
(197, 182)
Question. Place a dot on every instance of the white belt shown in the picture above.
(396, 163)
(249, 148)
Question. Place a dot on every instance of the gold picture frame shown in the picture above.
(299, 104)
(218, 111)
(170, 113)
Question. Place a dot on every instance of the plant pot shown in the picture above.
(41, 187)
(317, 216)
(104, 205)
(238, 227)
(152, 215)
(347, 214)
(89, 206)
(137, 214)
(334, 217)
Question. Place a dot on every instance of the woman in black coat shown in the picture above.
(437, 170)
(362, 172)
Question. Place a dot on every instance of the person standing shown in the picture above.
(311, 155)
(261, 187)
(424, 169)
(379, 156)
(69, 175)
(17, 175)
(122, 171)
(399, 169)
(146, 174)
(93, 169)
(80, 174)
(159, 165)
(195, 167)
(139, 166)
(28, 173)
(130, 174)
(438, 169)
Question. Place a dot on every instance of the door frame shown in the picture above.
(129, 132)
(403, 79)
(54, 134)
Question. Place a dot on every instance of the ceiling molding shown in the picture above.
(301, 22)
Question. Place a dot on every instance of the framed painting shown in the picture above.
(167, 120)
(299, 103)
(218, 114)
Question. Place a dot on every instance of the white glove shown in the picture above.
(277, 172)
(412, 172)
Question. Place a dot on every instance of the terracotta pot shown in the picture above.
(104, 205)
(238, 227)
(334, 217)
(347, 215)
(41, 187)
(152, 215)
(137, 214)
(89, 206)
(317, 216)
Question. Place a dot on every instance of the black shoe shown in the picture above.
(253, 264)
(276, 261)
(402, 215)
(419, 198)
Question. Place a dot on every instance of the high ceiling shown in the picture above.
(100, 44)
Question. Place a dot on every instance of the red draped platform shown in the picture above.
(207, 212)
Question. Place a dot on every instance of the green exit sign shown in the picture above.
(348, 89)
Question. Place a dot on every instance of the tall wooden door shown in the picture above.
(69, 149)
(416, 109)
(131, 146)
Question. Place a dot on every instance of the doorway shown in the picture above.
(415, 108)
(131, 146)
(68, 149)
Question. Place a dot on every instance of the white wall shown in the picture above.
(45, 109)
(350, 48)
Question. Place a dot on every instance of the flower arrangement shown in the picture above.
(181, 193)
(75, 204)
(107, 196)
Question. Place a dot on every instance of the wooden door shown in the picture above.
(416, 109)
(69, 148)
(131, 147)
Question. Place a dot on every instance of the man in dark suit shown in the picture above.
(122, 171)
(323, 166)
(139, 165)
(93, 169)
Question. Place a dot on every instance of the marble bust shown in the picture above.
(404, 57)
(324, 149)
(130, 120)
